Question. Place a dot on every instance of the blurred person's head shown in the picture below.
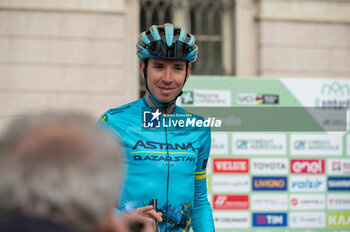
(59, 167)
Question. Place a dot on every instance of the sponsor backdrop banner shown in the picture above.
(295, 181)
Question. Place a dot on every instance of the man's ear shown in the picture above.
(142, 69)
(188, 72)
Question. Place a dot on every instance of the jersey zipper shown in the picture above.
(168, 176)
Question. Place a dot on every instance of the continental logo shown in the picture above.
(339, 220)
(269, 183)
(163, 146)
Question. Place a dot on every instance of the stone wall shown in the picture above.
(60, 54)
(309, 38)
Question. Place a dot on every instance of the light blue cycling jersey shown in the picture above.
(164, 164)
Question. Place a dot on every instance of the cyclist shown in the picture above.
(167, 165)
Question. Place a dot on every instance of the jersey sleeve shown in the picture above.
(202, 216)
(106, 123)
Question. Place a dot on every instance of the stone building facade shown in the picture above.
(80, 54)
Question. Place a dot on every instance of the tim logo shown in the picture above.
(312, 166)
(151, 119)
(269, 219)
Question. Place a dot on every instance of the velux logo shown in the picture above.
(151, 119)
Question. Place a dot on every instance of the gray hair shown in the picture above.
(61, 167)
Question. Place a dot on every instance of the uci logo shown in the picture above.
(151, 119)
(246, 98)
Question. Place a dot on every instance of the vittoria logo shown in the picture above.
(311, 166)
(231, 165)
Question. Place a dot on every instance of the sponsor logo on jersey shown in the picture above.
(339, 183)
(163, 146)
(307, 183)
(231, 165)
(103, 118)
(269, 166)
(230, 183)
(118, 110)
(227, 220)
(256, 98)
(269, 183)
(269, 219)
(182, 151)
(259, 143)
(231, 202)
(311, 166)
(269, 202)
(307, 219)
(307, 201)
(338, 166)
(338, 201)
(339, 220)
(178, 158)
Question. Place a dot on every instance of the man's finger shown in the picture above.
(155, 215)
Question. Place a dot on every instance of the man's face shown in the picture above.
(165, 78)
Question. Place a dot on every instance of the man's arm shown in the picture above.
(202, 216)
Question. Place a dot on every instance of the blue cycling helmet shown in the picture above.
(167, 42)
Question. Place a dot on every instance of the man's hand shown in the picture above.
(132, 223)
(148, 213)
